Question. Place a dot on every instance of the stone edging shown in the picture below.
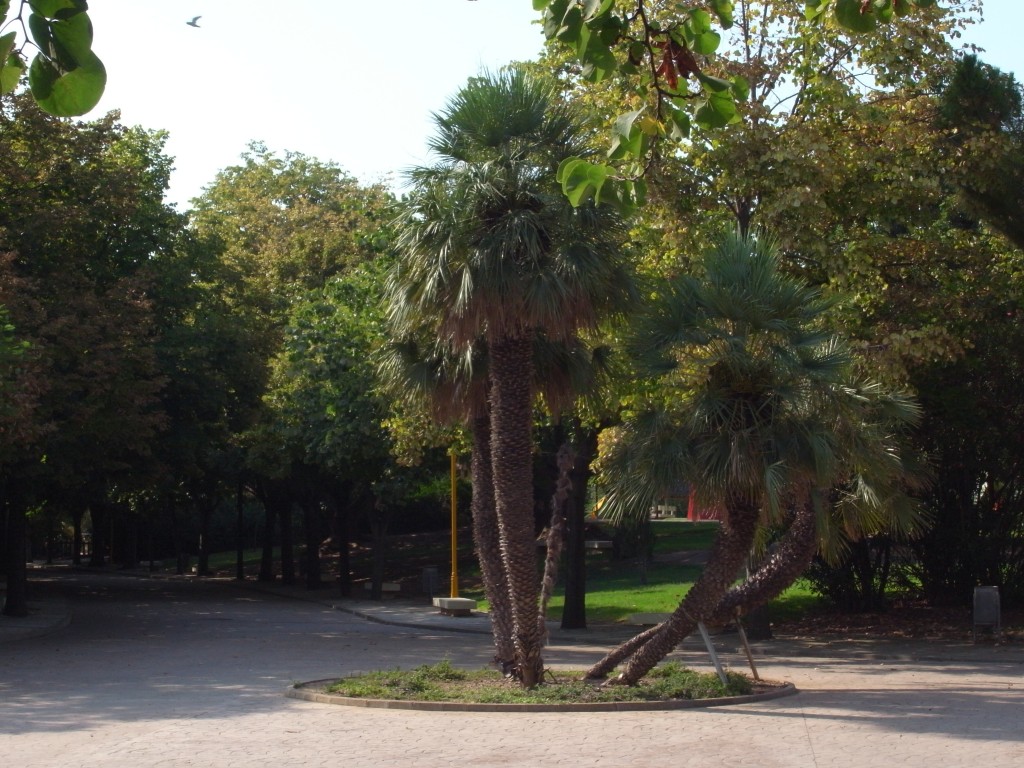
(301, 691)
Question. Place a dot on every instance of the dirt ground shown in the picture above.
(915, 620)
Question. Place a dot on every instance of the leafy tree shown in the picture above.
(284, 229)
(983, 109)
(667, 57)
(84, 218)
(489, 248)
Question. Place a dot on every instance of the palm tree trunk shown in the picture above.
(511, 464)
(791, 557)
(727, 556)
(488, 545)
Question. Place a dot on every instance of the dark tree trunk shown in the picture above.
(240, 530)
(100, 521)
(488, 545)
(340, 534)
(266, 573)
(565, 459)
(574, 612)
(206, 507)
(312, 527)
(284, 516)
(180, 555)
(511, 399)
(16, 602)
(77, 513)
(379, 539)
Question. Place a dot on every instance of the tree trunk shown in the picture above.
(313, 530)
(98, 512)
(206, 507)
(16, 602)
(77, 513)
(284, 518)
(791, 557)
(488, 546)
(727, 556)
(574, 611)
(266, 573)
(556, 533)
(511, 367)
(240, 530)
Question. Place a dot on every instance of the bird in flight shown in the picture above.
(193, 22)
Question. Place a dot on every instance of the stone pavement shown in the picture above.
(161, 673)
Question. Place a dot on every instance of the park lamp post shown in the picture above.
(455, 537)
(454, 605)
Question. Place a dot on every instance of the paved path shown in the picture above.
(181, 673)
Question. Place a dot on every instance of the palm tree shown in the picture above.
(760, 414)
(490, 248)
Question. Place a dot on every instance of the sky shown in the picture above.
(353, 82)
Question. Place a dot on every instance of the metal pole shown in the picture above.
(746, 645)
(711, 652)
(455, 567)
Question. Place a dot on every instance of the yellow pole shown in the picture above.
(455, 567)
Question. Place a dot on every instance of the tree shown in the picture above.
(755, 417)
(284, 228)
(983, 110)
(66, 78)
(658, 52)
(83, 219)
(489, 248)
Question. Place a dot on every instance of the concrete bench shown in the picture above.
(455, 606)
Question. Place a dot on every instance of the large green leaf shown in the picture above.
(852, 16)
(723, 10)
(627, 138)
(7, 44)
(73, 38)
(581, 179)
(58, 9)
(70, 93)
(717, 111)
(12, 69)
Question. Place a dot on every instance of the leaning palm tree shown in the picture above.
(490, 248)
(757, 400)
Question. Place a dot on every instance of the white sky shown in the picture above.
(349, 81)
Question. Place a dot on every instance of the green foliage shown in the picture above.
(983, 110)
(670, 58)
(443, 682)
(82, 231)
(66, 78)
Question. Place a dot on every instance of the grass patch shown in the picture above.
(443, 682)
(678, 535)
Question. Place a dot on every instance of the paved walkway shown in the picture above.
(180, 672)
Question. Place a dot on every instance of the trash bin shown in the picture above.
(986, 610)
(431, 580)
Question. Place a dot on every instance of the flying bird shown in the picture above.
(193, 22)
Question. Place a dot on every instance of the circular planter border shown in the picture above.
(303, 691)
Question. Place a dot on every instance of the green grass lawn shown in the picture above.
(617, 589)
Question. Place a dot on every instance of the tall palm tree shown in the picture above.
(489, 247)
(755, 415)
